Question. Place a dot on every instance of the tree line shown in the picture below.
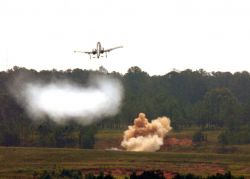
(208, 100)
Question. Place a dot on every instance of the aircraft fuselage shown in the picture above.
(98, 49)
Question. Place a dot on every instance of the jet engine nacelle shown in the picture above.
(94, 51)
(102, 50)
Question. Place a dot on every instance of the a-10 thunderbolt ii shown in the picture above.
(98, 51)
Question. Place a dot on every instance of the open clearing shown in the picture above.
(200, 159)
(17, 161)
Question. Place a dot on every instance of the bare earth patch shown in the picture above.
(204, 168)
(174, 141)
(122, 171)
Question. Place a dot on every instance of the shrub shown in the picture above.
(199, 137)
(10, 139)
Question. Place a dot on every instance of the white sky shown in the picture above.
(157, 35)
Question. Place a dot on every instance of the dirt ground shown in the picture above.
(174, 141)
(202, 167)
(122, 172)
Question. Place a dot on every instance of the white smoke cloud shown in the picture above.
(63, 100)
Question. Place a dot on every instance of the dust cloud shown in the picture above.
(146, 136)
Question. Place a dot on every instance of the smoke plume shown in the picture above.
(63, 100)
(146, 136)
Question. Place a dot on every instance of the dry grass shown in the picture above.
(24, 161)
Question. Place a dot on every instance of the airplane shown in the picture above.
(98, 51)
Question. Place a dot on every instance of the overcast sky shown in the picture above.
(157, 35)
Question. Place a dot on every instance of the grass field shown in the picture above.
(24, 161)
(106, 139)
(198, 159)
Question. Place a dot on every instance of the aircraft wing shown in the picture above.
(108, 50)
(77, 51)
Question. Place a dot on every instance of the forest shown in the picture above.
(208, 100)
